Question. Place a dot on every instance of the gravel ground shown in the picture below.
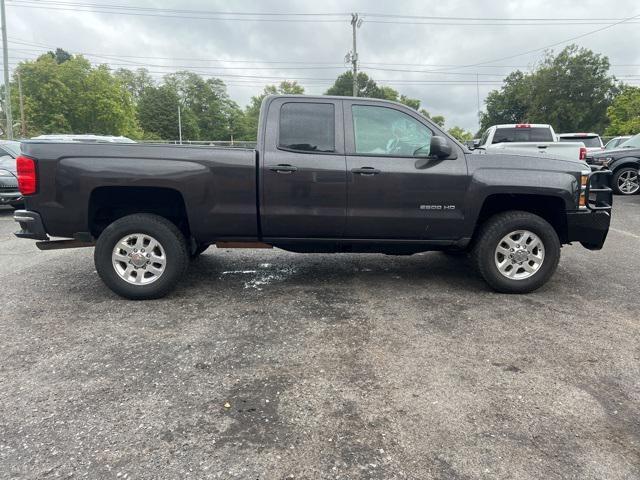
(272, 365)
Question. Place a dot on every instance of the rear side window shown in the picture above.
(307, 127)
(531, 134)
(591, 142)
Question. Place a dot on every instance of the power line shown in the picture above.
(546, 47)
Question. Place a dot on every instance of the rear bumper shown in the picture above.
(31, 225)
(589, 228)
(9, 198)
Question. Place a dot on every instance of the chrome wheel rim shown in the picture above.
(139, 259)
(519, 255)
(628, 182)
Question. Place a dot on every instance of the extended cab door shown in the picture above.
(303, 169)
(395, 189)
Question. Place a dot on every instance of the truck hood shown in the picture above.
(617, 153)
(509, 160)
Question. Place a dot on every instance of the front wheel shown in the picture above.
(141, 256)
(626, 181)
(516, 252)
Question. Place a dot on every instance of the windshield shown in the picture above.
(633, 142)
(513, 134)
(12, 147)
(589, 142)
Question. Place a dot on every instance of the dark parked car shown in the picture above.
(624, 162)
(330, 174)
(9, 193)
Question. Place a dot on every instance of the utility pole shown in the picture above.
(478, 93)
(5, 57)
(352, 56)
(23, 122)
(179, 125)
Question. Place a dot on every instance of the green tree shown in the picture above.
(624, 113)
(135, 81)
(571, 90)
(208, 101)
(437, 119)
(68, 95)
(367, 87)
(249, 130)
(460, 134)
(158, 115)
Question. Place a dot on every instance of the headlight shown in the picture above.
(6, 173)
(603, 160)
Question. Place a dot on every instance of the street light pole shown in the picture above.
(5, 57)
(179, 125)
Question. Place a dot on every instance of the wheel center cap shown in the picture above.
(138, 260)
(521, 256)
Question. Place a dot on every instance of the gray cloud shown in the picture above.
(420, 47)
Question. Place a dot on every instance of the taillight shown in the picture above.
(27, 178)
(583, 153)
(523, 125)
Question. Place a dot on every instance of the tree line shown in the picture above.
(573, 91)
(64, 93)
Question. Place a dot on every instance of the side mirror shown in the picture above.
(476, 142)
(470, 144)
(439, 147)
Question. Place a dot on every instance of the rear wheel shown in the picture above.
(141, 256)
(516, 252)
(626, 181)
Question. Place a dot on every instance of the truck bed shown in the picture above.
(217, 185)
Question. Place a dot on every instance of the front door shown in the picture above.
(303, 172)
(395, 189)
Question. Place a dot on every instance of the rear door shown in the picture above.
(303, 172)
(395, 189)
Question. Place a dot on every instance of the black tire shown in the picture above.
(200, 248)
(616, 178)
(161, 229)
(494, 230)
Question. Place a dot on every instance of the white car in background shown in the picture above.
(65, 137)
(529, 139)
(592, 141)
(615, 142)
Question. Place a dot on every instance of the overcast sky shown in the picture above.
(311, 48)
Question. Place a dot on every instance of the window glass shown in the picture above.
(385, 131)
(484, 138)
(633, 142)
(590, 142)
(308, 127)
(522, 134)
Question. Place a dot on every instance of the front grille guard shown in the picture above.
(597, 192)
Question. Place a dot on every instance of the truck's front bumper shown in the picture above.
(590, 225)
(589, 228)
(31, 225)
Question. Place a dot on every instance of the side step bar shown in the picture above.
(60, 244)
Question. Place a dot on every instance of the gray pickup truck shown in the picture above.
(329, 174)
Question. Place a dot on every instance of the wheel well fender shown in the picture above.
(109, 203)
(549, 207)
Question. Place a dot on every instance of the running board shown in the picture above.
(60, 244)
(243, 245)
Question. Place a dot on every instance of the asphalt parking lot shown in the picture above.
(269, 365)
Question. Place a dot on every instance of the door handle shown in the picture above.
(283, 168)
(365, 171)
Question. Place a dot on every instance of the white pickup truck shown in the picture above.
(528, 139)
